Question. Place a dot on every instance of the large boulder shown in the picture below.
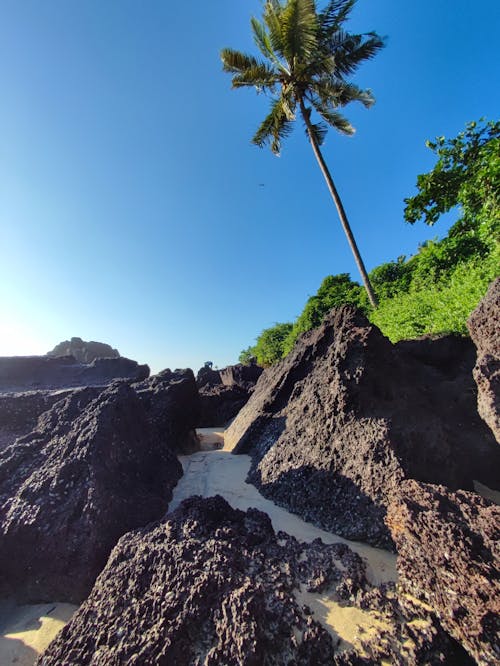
(95, 467)
(484, 329)
(84, 352)
(24, 373)
(449, 557)
(224, 392)
(172, 406)
(219, 404)
(336, 426)
(244, 376)
(206, 376)
(209, 585)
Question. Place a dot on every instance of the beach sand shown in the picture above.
(25, 631)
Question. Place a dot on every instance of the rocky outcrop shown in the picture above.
(84, 352)
(97, 465)
(484, 329)
(224, 392)
(336, 426)
(449, 556)
(19, 412)
(207, 377)
(24, 373)
(219, 404)
(244, 376)
(210, 585)
(172, 405)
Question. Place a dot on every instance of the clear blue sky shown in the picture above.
(131, 210)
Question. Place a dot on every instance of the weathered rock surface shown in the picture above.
(211, 585)
(84, 352)
(19, 412)
(224, 392)
(335, 427)
(96, 466)
(172, 406)
(449, 556)
(484, 329)
(219, 404)
(208, 377)
(244, 376)
(24, 373)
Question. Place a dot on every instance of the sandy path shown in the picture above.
(218, 472)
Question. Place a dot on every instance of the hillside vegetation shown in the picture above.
(435, 290)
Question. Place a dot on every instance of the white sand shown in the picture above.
(25, 631)
(218, 472)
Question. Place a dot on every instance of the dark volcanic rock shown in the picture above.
(219, 404)
(22, 373)
(172, 406)
(210, 585)
(244, 376)
(223, 393)
(19, 412)
(449, 555)
(484, 329)
(84, 352)
(93, 469)
(336, 426)
(207, 377)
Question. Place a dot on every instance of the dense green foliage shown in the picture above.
(435, 290)
(306, 58)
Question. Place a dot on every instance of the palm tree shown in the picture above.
(307, 58)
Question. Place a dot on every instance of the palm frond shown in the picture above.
(263, 41)
(299, 30)
(335, 92)
(319, 132)
(272, 19)
(332, 117)
(355, 50)
(260, 76)
(334, 14)
(235, 61)
(274, 128)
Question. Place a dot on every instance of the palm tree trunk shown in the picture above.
(340, 208)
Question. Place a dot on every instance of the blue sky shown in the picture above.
(131, 210)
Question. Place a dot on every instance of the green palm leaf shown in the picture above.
(274, 128)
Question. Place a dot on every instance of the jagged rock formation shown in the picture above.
(484, 329)
(211, 585)
(335, 427)
(24, 373)
(244, 376)
(99, 463)
(172, 406)
(84, 352)
(449, 556)
(219, 404)
(207, 377)
(19, 412)
(224, 392)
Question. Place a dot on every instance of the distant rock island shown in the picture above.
(84, 352)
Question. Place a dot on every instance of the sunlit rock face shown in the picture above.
(84, 352)
(484, 329)
(449, 556)
(336, 426)
(100, 462)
